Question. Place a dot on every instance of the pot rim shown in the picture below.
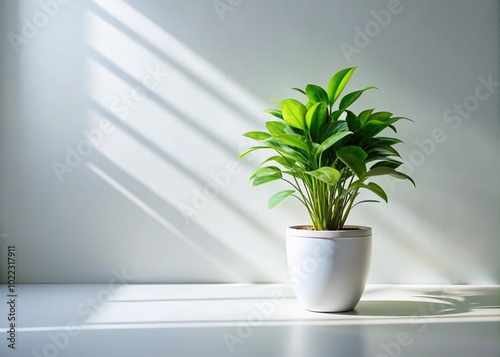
(361, 231)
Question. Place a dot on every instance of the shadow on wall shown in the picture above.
(170, 159)
(206, 246)
(209, 246)
(204, 80)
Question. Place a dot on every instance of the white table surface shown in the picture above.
(249, 320)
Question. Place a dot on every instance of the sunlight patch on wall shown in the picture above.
(177, 124)
(185, 58)
(159, 218)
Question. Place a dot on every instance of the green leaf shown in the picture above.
(380, 116)
(277, 113)
(280, 160)
(287, 151)
(337, 84)
(382, 140)
(364, 115)
(369, 130)
(257, 135)
(381, 149)
(353, 186)
(265, 174)
(249, 150)
(336, 115)
(316, 93)
(382, 170)
(350, 98)
(393, 164)
(265, 179)
(365, 201)
(265, 171)
(295, 172)
(352, 121)
(390, 149)
(386, 117)
(294, 113)
(294, 140)
(299, 90)
(356, 151)
(376, 189)
(353, 162)
(292, 130)
(275, 127)
(335, 127)
(315, 118)
(404, 176)
(326, 174)
(278, 197)
(378, 154)
(332, 140)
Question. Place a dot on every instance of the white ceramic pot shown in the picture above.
(328, 269)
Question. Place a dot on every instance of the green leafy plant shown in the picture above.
(327, 155)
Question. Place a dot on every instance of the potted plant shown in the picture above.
(327, 154)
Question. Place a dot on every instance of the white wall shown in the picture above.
(118, 208)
